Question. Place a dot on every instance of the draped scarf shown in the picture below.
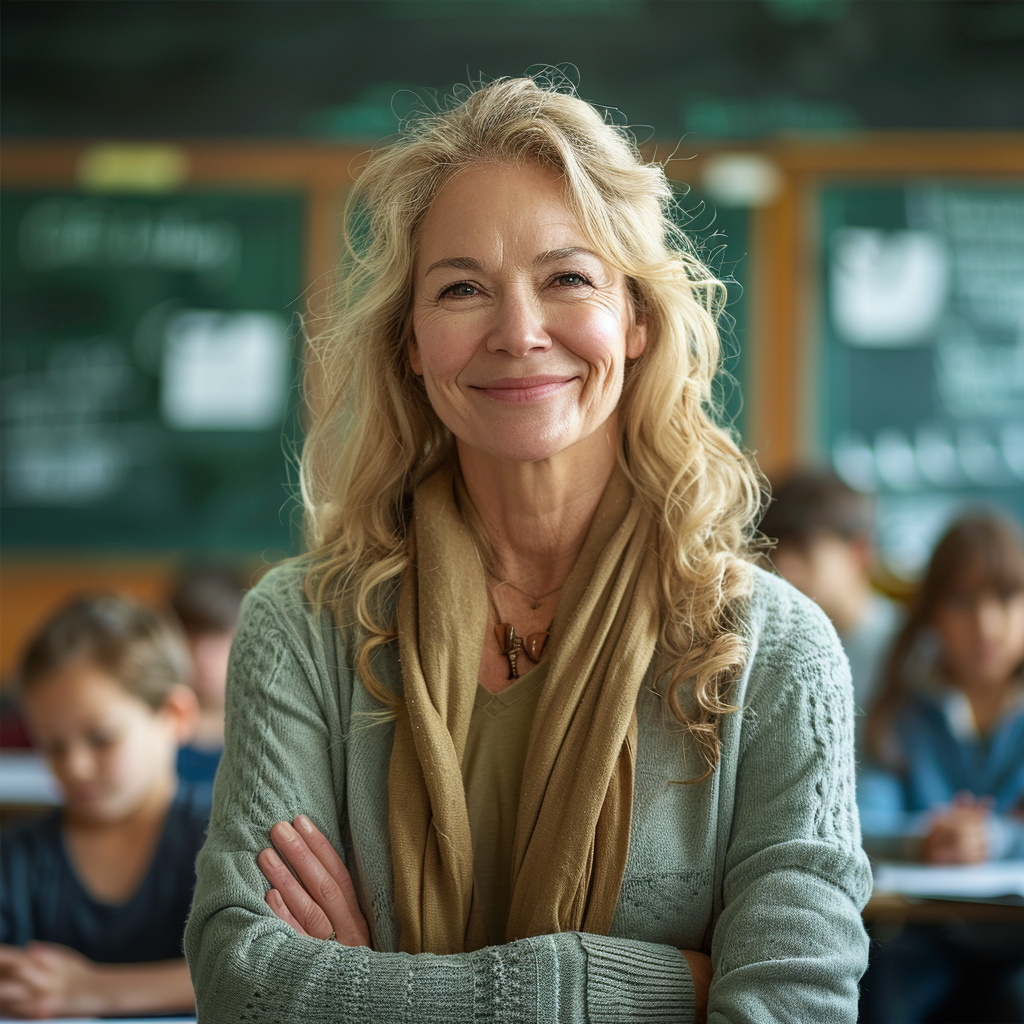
(572, 828)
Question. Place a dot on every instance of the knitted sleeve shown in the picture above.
(789, 944)
(285, 753)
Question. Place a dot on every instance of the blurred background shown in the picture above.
(172, 180)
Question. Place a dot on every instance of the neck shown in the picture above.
(536, 514)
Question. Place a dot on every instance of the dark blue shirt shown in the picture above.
(41, 897)
(198, 766)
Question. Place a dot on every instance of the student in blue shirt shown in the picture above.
(94, 897)
(946, 782)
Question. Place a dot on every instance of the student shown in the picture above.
(947, 781)
(207, 602)
(94, 897)
(825, 549)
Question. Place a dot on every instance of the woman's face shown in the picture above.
(520, 331)
(981, 633)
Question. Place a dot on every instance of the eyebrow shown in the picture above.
(550, 256)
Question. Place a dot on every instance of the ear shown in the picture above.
(415, 358)
(181, 711)
(636, 338)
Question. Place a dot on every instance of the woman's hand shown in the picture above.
(310, 886)
(700, 972)
(45, 980)
(960, 834)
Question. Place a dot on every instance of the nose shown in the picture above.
(991, 617)
(77, 764)
(519, 327)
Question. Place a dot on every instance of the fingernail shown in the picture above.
(285, 831)
(272, 858)
(304, 823)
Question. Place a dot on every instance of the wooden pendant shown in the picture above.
(512, 645)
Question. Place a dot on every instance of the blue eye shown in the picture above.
(572, 280)
(459, 290)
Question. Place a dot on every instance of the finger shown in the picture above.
(328, 856)
(315, 878)
(10, 955)
(279, 907)
(302, 907)
(12, 991)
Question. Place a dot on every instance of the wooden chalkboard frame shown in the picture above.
(785, 253)
(32, 583)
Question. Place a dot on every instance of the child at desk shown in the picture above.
(94, 897)
(946, 785)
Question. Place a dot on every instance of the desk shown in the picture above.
(921, 894)
(893, 908)
(26, 785)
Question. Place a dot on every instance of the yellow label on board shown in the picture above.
(130, 167)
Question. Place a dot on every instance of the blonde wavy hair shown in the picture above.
(374, 436)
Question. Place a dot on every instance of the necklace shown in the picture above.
(535, 599)
(512, 644)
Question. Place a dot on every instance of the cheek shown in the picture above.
(1016, 632)
(956, 634)
(443, 347)
(598, 337)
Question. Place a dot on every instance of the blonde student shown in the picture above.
(93, 898)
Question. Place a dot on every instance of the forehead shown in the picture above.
(77, 693)
(499, 211)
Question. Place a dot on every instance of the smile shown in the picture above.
(523, 389)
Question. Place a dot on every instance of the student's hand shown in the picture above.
(46, 980)
(960, 834)
(318, 898)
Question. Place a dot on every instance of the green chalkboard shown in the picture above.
(148, 370)
(922, 352)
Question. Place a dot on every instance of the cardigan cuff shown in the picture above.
(632, 982)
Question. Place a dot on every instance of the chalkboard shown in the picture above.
(922, 361)
(148, 369)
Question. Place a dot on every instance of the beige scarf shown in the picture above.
(572, 830)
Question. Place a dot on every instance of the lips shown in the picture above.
(524, 389)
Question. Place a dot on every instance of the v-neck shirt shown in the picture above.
(43, 899)
(492, 773)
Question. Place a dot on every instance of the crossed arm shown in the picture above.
(311, 890)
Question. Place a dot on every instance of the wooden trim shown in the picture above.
(774, 379)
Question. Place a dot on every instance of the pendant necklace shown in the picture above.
(535, 600)
(511, 643)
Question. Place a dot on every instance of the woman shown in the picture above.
(527, 620)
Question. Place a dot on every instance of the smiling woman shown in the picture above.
(528, 615)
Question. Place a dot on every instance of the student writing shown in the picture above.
(94, 897)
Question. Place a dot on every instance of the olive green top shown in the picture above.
(492, 771)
